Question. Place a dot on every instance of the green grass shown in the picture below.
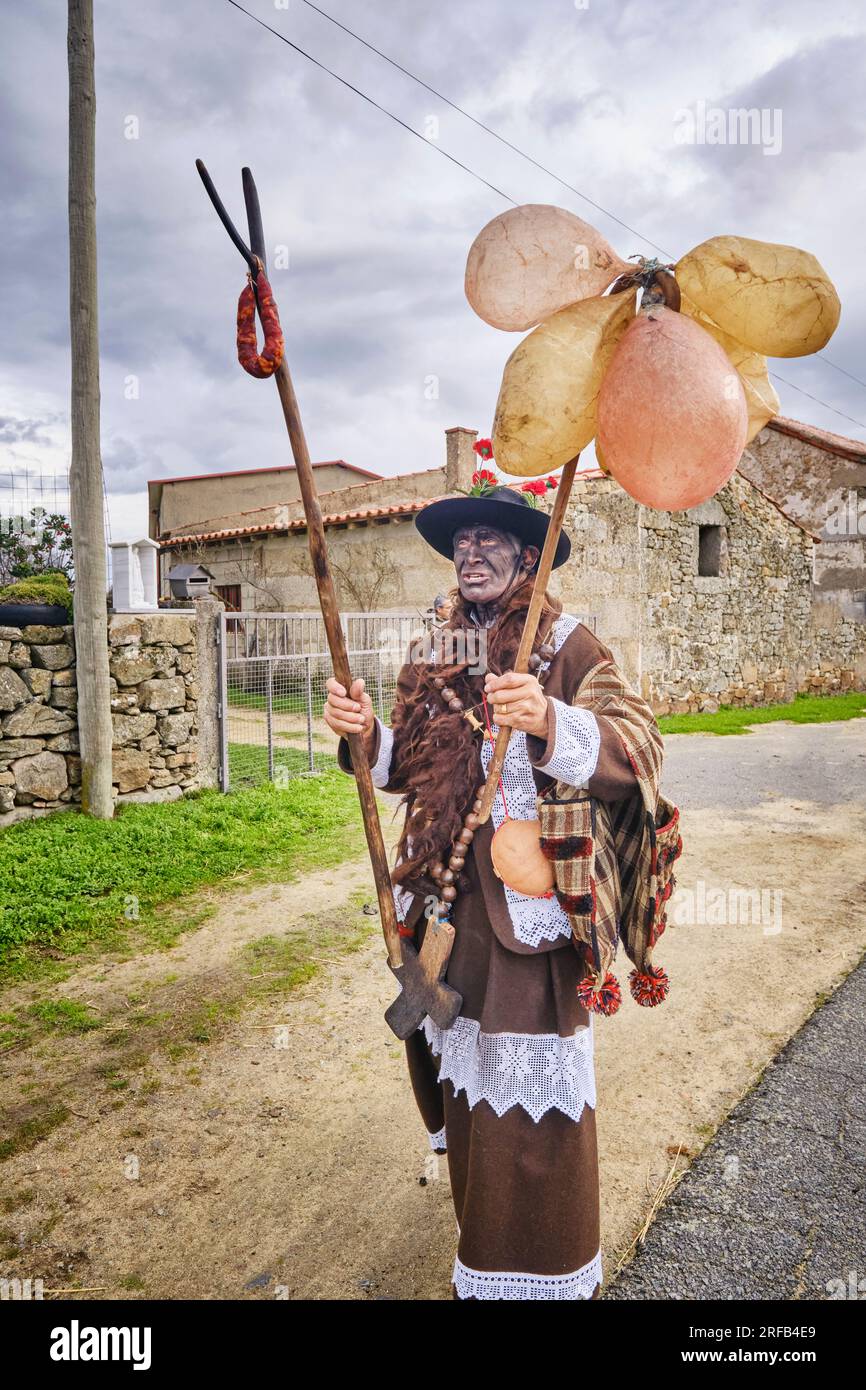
(282, 704)
(803, 709)
(278, 965)
(295, 702)
(69, 882)
(65, 1016)
(248, 763)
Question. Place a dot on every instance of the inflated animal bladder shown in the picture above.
(672, 414)
(533, 260)
(546, 412)
(518, 859)
(761, 399)
(671, 394)
(777, 300)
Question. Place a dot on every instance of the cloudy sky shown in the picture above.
(377, 223)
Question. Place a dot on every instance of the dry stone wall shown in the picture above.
(154, 661)
(757, 632)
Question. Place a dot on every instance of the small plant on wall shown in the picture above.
(38, 544)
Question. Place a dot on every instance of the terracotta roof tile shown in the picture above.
(823, 439)
(334, 518)
(300, 523)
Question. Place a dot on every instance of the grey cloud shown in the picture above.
(377, 225)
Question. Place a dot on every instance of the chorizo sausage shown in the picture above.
(266, 362)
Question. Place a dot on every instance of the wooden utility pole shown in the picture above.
(87, 502)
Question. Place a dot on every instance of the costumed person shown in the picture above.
(509, 1090)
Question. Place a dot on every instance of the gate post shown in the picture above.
(211, 712)
(309, 702)
(270, 718)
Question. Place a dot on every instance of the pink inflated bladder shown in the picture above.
(672, 413)
(671, 392)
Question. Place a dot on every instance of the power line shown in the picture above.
(837, 368)
(516, 149)
(440, 96)
(502, 139)
(385, 112)
(818, 401)
(551, 173)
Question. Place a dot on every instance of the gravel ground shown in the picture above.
(824, 763)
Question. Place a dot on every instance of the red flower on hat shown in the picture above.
(552, 482)
(484, 480)
(483, 448)
(537, 486)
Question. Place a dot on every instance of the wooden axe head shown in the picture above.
(423, 989)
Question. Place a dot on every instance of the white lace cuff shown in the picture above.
(481, 1284)
(437, 1140)
(576, 745)
(381, 769)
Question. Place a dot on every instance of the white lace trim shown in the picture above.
(477, 1283)
(539, 1071)
(534, 919)
(381, 769)
(437, 1140)
(576, 744)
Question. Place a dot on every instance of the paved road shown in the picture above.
(775, 1206)
(813, 762)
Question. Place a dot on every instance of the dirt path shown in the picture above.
(285, 1157)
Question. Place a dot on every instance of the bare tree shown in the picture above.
(85, 474)
(371, 583)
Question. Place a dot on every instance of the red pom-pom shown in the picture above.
(650, 987)
(598, 997)
(403, 930)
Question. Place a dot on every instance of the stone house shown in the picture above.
(716, 604)
(820, 480)
(176, 504)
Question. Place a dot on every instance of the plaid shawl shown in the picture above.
(613, 860)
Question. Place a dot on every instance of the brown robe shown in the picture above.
(525, 1188)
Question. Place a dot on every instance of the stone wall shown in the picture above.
(742, 636)
(820, 480)
(756, 633)
(603, 576)
(157, 662)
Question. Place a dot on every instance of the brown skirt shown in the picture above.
(525, 1189)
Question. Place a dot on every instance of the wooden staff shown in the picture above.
(421, 973)
(321, 568)
(530, 628)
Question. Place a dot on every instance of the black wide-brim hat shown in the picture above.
(503, 507)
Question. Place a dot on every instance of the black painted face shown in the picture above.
(485, 560)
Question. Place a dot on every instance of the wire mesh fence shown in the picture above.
(274, 671)
(273, 674)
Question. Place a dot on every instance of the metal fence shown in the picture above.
(273, 669)
(273, 672)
